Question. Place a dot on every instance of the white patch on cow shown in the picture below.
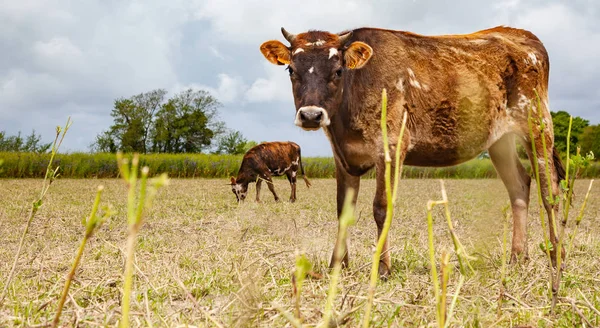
(425, 87)
(524, 103)
(317, 43)
(479, 41)
(293, 174)
(533, 58)
(297, 51)
(325, 121)
(400, 84)
(332, 52)
(311, 69)
(237, 187)
(412, 79)
(296, 161)
(287, 168)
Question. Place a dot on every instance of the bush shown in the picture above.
(104, 165)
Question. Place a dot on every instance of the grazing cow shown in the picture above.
(462, 94)
(264, 161)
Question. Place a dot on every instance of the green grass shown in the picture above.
(84, 165)
(237, 262)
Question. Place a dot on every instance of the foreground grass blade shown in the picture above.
(91, 225)
(346, 220)
(391, 198)
(50, 176)
(135, 218)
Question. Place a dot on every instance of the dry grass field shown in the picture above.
(237, 261)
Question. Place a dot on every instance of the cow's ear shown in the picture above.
(357, 55)
(232, 180)
(276, 52)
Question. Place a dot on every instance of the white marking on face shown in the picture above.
(317, 43)
(324, 119)
(533, 58)
(311, 69)
(299, 50)
(332, 52)
(237, 187)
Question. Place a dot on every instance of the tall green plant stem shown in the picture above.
(391, 197)
(48, 179)
(91, 224)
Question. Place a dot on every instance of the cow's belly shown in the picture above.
(425, 154)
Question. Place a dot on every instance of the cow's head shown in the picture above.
(240, 190)
(317, 63)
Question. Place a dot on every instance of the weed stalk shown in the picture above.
(91, 225)
(390, 196)
(51, 175)
(135, 218)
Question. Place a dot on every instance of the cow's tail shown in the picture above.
(308, 184)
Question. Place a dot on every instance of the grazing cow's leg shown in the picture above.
(258, 185)
(344, 181)
(291, 175)
(271, 186)
(517, 182)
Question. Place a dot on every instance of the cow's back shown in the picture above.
(454, 87)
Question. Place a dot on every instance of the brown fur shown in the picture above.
(264, 161)
(463, 94)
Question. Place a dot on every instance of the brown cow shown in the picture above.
(463, 94)
(264, 161)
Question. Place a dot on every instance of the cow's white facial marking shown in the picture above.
(412, 79)
(311, 69)
(332, 52)
(237, 187)
(297, 51)
(317, 43)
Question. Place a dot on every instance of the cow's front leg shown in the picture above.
(344, 182)
(258, 185)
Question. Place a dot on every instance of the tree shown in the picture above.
(233, 143)
(186, 123)
(31, 143)
(560, 121)
(590, 140)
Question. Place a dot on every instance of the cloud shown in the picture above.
(63, 58)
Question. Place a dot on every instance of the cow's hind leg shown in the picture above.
(291, 176)
(258, 185)
(271, 187)
(517, 182)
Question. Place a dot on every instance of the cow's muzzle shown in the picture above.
(311, 118)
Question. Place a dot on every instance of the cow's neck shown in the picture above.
(349, 147)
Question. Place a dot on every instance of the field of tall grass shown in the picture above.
(103, 165)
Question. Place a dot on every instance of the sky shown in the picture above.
(61, 58)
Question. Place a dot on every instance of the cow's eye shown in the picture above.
(338, 73)
(289, 68)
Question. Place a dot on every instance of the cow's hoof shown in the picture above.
(384, 271)
(292, 200)
(518, 257)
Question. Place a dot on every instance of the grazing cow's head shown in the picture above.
(317, 62)
(240, 190)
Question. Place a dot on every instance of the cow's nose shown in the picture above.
(311, 116)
